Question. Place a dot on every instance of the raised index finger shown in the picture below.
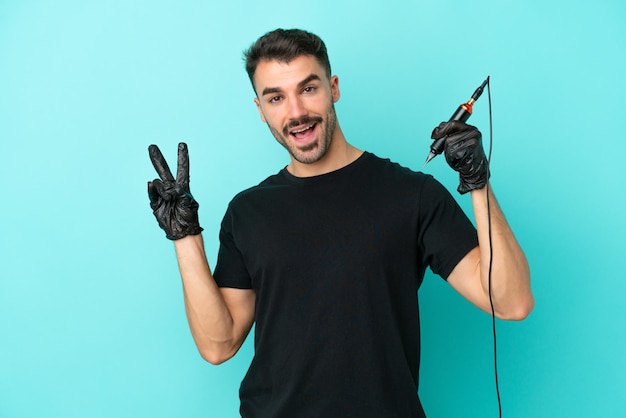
(159, 163)
(182, 175)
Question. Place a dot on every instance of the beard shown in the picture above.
(317, 149)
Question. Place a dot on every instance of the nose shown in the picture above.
(296, 108)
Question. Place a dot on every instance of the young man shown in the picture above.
(327, 256)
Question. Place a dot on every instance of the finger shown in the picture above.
(469, 137)
(437, 132)
(159, 163)
(182, 175)
(162, 190)
(156, 190)
(450, 128)
(153, 195)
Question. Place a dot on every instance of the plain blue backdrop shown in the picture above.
(92, 321)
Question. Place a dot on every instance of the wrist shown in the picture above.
(190, 246)
(189, 241)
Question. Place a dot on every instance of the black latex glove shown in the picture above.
(170, 199)
(464, 153)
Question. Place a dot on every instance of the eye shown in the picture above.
(274, 99)
(309, 89)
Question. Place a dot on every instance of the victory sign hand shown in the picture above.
(170, 199)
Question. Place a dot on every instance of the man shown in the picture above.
(326, 256)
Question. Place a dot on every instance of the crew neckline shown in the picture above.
(331, 174)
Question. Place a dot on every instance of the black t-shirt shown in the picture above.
(336, 261)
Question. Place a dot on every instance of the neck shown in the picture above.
(339, 155)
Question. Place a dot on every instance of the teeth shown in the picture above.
(302, 130)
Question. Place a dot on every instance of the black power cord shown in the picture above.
(463, 113)
(493, 311)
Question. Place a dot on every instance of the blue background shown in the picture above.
(92, 322)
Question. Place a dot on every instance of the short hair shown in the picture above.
(285, 45)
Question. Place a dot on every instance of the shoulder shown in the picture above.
(396, 173)
(398, 183)
(261, 191)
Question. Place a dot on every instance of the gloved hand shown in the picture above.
(170, 199)
(464, 153)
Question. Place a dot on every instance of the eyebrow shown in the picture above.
(271, 90)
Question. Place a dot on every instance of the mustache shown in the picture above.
(302, 121)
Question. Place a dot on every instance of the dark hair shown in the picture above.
(285, 45)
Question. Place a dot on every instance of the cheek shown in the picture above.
(270, 112)
(274, 123)
(270, 119)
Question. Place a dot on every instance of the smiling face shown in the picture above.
(296, 100)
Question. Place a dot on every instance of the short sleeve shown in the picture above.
(446, 234)
(230, 269)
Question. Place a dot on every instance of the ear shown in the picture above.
(334, 88)
(258, 106)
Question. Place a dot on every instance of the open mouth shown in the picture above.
(303, 128)
(302, 132)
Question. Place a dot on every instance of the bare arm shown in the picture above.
(510, 276)
(500, 253)
(219, 319)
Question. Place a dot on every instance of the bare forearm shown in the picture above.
(210, 319)
(219, 319)
(510, 274)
